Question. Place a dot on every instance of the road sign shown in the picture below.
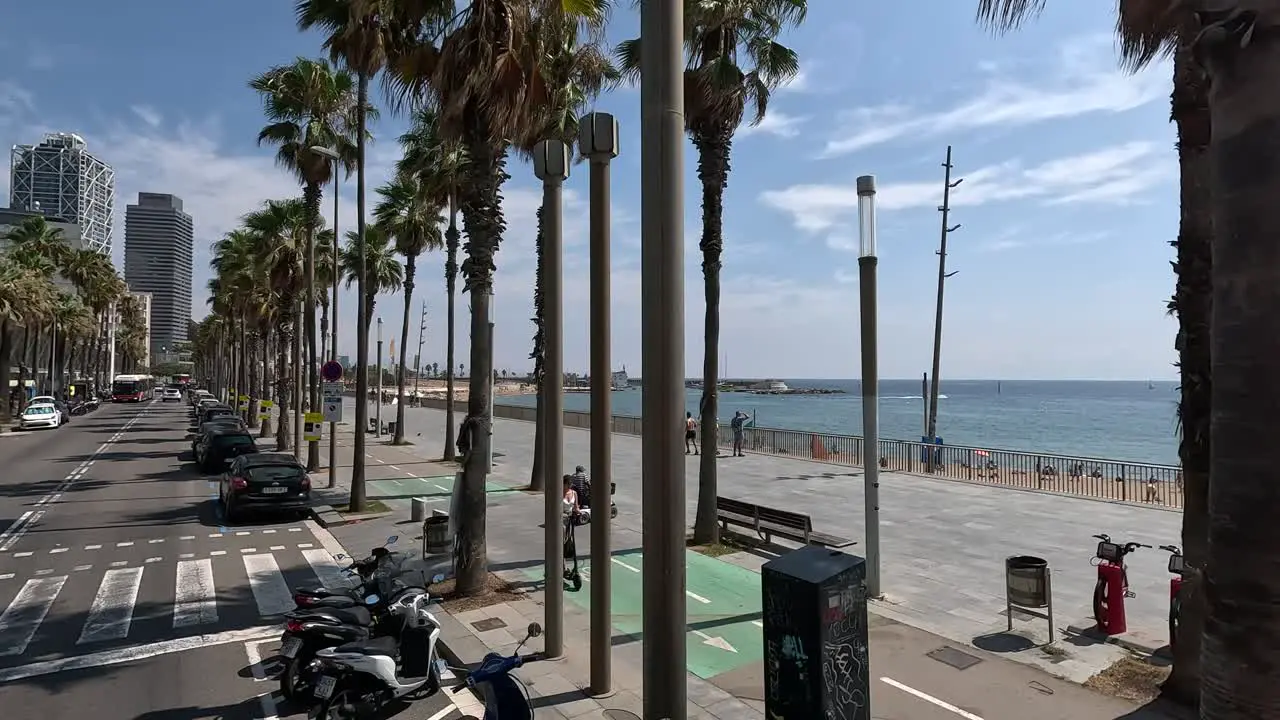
(313, 427)
(332, 388)
(332, 406)
(331, 371)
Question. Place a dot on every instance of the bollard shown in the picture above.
(418, 509)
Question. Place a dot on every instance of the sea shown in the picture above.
(1134, 421)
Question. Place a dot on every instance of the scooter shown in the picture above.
(571, 572)
(355, 680)
(504, 697)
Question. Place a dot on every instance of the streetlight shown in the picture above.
(333, 303)
(598, 141)
(378, 412)
(870, 377)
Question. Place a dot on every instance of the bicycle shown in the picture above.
(1178, 568)
(1110, 556)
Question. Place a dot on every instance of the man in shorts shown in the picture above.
(738, 424)
(690, 434)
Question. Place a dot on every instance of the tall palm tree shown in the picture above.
(383, 272)
(1147, 30)
(410, 213)
(308, 104)
(735, 63)
(439, 162)
(26, 299)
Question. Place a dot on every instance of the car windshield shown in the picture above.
(275, 473)
(234, 440)
(38, 410)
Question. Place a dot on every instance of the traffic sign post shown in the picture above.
(331, 371)
(331, 404)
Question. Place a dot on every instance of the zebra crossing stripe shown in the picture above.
(326, 570)
(266, 581)
(195, 594)
(22, 618)
(112, 609)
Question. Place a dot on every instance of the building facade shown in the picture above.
(61, 180)
(158, 247)
(144, 306)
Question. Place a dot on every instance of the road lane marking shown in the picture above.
(6, 576)
(218, 552)
(268, 532)
(120, 563)
(325, 568)
(55, 551)
(267, 700)
(128, 543)
(267, 583)
(112, 610)
(155, 541)
(187, 537)
(616, 561)
(186, 556)
(23, 554)
(196, 594)
(930, 699)
(757, 623)
(22, 618)
(92, 547)
(303, 546)
(15, 527)
(276, 547)
(44, 572)
(248, 550)
(697, 597)
(153, 559)
(243, 532)
(81, 568)
(18, 532)
(295, 529)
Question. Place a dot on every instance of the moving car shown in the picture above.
(221, 445)
(41, 415)
(171, 394)
(264, 481)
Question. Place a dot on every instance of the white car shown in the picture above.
(171, 395)
(42, 415)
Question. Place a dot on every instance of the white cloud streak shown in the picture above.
(775, 123)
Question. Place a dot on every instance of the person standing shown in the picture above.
(690, 434)
(738, 424)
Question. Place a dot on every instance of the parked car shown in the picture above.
(41, 415)
(221, 445)
(205, 413)
(51, 400)
(274, 482)
(171, 394)
(195, 396)
(231, 421)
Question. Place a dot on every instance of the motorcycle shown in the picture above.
(380, 559)
(356, 679)
(504, 696)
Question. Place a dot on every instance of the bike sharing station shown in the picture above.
(1110, 619)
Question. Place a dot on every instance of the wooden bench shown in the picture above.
(768, 522)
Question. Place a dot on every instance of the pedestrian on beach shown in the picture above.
(738, 423)
(690, 434)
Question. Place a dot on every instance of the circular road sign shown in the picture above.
(331, 371)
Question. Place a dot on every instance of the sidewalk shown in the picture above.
(724, 596)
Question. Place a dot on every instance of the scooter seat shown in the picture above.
(374, 646)
(348, 616)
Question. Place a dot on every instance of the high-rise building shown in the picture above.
(157, 260)
(61, 180)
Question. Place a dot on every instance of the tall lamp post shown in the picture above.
(333, 301)
(377, 418)
(870, 376)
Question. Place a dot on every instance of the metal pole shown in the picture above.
(945, 209)
(598, 140)
(377, 420)
(551, 165)
(665, 689)
(417, 359)
(111, 341)
(333, 314)
(870, 377)
(489, 452)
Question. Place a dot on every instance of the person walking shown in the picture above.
(690, 434)
(738, 424)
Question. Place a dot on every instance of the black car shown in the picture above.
(222, 445)
(210, 412)
(222, 421)
(264, 481)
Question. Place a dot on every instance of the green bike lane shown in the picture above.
(722, 604)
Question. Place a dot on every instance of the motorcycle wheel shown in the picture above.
(343, 704)
(293, 683)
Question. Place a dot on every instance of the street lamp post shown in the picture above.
(333, 301)
(598, 141)
(665, 688)
(551, 165)
(377, 419)
(870, 376)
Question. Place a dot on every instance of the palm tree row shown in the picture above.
(56, 304)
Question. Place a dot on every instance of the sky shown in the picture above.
(1067, 205)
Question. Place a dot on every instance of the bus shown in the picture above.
(182, 380)
(131, 388)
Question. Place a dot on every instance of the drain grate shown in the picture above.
(957, 659)
(489, 624)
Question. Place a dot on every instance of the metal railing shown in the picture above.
(1099, 478)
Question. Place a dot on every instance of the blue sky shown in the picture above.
(1068, 204)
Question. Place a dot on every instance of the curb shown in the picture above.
(1136, 641)
(326, 516)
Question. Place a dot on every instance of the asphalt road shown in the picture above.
(124, 594)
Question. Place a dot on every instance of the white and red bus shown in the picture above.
(131, 388)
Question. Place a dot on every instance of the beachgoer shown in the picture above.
(570, 497)
(690, 434)
(738, 423)
(581, 485)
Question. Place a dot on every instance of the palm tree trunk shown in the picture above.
(312, 196)
(1241, 649)
(410, 269)
(6, 351)
(539, 356)
(255, 380)
(1192, 302)
(282, 390)
(450, 285)
(268, 377)
(362, 332)
(713, 172)
(242, 375)
(325, 351)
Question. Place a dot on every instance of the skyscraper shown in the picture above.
(61, 180)
(157, 260)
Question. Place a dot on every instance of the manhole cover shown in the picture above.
(488, 624)
(957, 659)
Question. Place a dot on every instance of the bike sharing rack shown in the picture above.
(1028, 588)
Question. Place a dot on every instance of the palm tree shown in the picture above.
(383, 271)
(735, 63)
(307, 105)
(410, 213)
(434, 160)
(26, 299)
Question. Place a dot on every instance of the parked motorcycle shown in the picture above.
(504, 696)
(363, 571)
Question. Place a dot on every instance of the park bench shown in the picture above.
(767, 522)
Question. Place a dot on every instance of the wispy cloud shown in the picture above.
(1022, 238)
(1083, 81)
(1111, 175)
(148, 115)
(775, 123)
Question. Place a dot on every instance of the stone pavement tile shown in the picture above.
(559, 693)
(704, 694)
(734, 709)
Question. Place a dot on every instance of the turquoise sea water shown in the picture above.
(1119, 420)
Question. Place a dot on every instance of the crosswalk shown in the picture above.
(74, 612)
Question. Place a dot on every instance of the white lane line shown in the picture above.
(153, 559)
(125, 544)
(20, 621)
(445, 489)
(757, 623)
(273, 548)
(186, 556)
(23, 554)
(120, 563)
(304, 546)
(92, 547)
(20, 528)
(243, 532)
(136, 652)
(267, 583)
(633, 569)
(384, 462)
(196, 595)
(298, 529)
(44, 572)
(325, 568)
(248, 550)
(81, 568)
(187, 537)
(155, 541)
(112, 609)
(267, 700)
(217, 552)
(6, 576)
(393, 467)
(268, 532)
(698, 597)
(55, 551)
(930, 699)
(215, 535)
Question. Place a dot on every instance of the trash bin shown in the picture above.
(1026, 580)
(391, 427)
(435, 534)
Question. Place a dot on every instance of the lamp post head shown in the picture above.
(867, 216)
(551, 161)
(866, 185)
(322, 150)
(598, 136)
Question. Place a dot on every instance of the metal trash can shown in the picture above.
(435, 534)
(1026, 580)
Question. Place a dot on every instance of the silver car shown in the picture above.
(40, 415)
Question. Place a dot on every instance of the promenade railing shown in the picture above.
(1100, 478)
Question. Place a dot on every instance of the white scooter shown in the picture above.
(356, 679)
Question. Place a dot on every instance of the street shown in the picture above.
(124, 594)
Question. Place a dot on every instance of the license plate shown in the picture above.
(290, 647)
(275, 490)
(325, 686)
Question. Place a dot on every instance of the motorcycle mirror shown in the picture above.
(392, 540)
(535, 630)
